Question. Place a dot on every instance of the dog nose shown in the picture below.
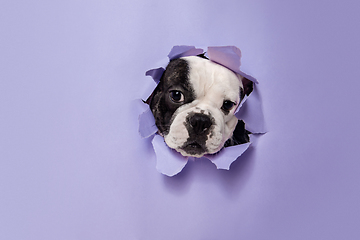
(200, 123)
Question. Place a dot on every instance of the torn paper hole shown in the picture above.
(188, 110)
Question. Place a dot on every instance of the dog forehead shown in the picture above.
(176, 73)
(207, 76)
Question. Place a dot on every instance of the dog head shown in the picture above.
(194, 105)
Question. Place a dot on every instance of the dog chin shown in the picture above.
(187, 153)
(195, 150)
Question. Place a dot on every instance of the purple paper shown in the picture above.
(73, 166)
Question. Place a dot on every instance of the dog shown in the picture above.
(194, 105)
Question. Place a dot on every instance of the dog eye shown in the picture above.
(176, 96)
(227, 105)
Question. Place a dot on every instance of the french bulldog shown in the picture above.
(194, 105)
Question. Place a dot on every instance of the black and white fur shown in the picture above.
(194, 105)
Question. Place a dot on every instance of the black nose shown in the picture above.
(200, 123)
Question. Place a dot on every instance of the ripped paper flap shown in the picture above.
(184, 51)
(227, 56)
(156, 74)
(228, 155)
(147, 126)
(168, 161)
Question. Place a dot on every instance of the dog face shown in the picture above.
(194, 105)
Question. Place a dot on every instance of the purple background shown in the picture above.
(72, 165)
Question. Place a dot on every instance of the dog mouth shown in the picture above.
(194, 145)
(194, 148)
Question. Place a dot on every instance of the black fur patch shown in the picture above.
(175, 77)
(240, 135)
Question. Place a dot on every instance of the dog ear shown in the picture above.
(155, 96)
(149, 99)
(248, 85)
